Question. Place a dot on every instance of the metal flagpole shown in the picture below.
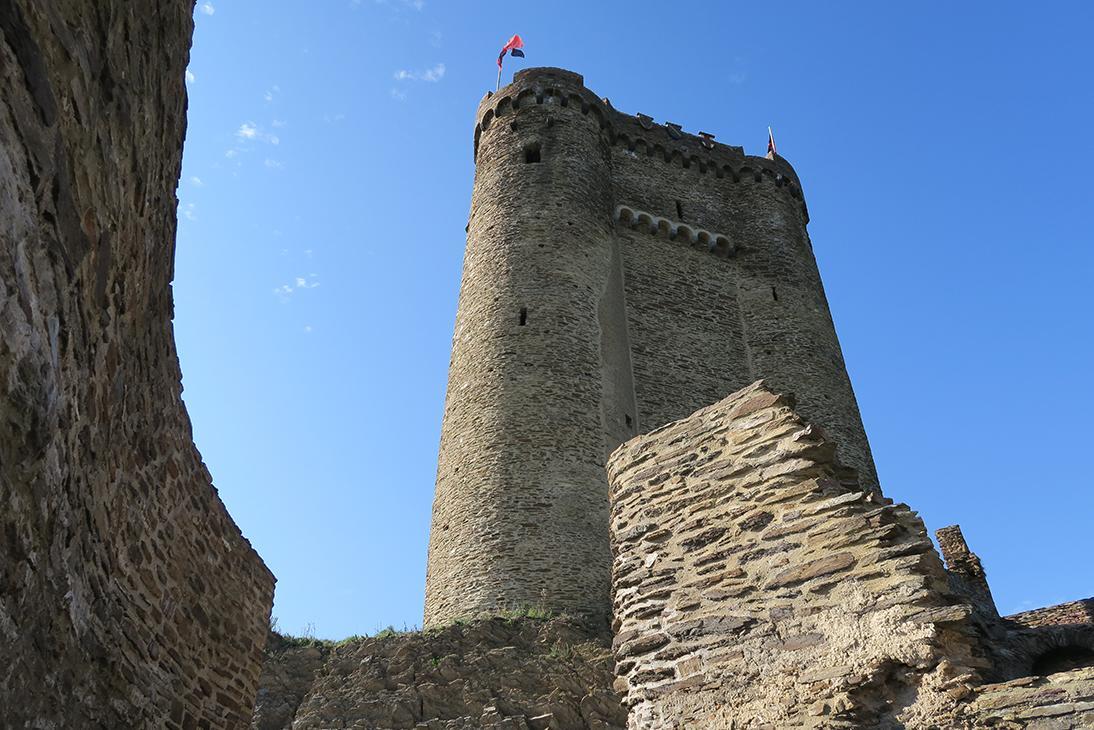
(498, 85)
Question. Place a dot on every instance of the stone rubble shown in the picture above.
(503, 674)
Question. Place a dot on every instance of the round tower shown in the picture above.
(520, 515)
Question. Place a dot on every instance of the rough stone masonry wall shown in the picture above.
(128, 597)
(756, 583)
(722, 287)
(521, 510)
(1072, 612)
(502, 674)
(288, 672)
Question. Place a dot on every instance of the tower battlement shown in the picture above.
(638, 133)
(619, 275)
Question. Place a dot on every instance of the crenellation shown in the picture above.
(700, 152)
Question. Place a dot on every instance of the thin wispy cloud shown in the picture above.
(208, 8)
(247, 137)
(190, 78)
(196, 181)
(415, 5)
(398, 95)
(272, 92)
(188, 212)
(249, 131)
(738, 76)
(431, 75)
(273, 164)
(299, 283)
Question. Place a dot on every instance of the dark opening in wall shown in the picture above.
(523, 316)
(630, 421)
(679, 211)
(531, 153)
(1063, 659)
(774, 294)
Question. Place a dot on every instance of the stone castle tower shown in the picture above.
(619, 275)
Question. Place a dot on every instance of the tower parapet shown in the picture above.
(619, 274)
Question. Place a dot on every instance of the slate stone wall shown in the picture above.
(128, 597)
(1063, 614)
(755, 581)
(757, 584)
(1062, 701)
(619, 274)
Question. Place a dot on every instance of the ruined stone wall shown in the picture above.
(1063, 701)
(967, 576)
(288, 673)
(619, 275)
(755, 582)
(1072, 612)
(504, 674)
(128, 597)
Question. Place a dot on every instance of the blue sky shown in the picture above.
(944, 149)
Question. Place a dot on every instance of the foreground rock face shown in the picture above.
(516, 674)
(756, 584)
(128, 597)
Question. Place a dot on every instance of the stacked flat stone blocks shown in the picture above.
(756, 583)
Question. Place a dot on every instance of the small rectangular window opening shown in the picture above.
(531, 153)
(523, 316)
(630, 421)
(774, 294)
(679, 211)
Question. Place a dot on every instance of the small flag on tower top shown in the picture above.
(513, 48)
(771, 143)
